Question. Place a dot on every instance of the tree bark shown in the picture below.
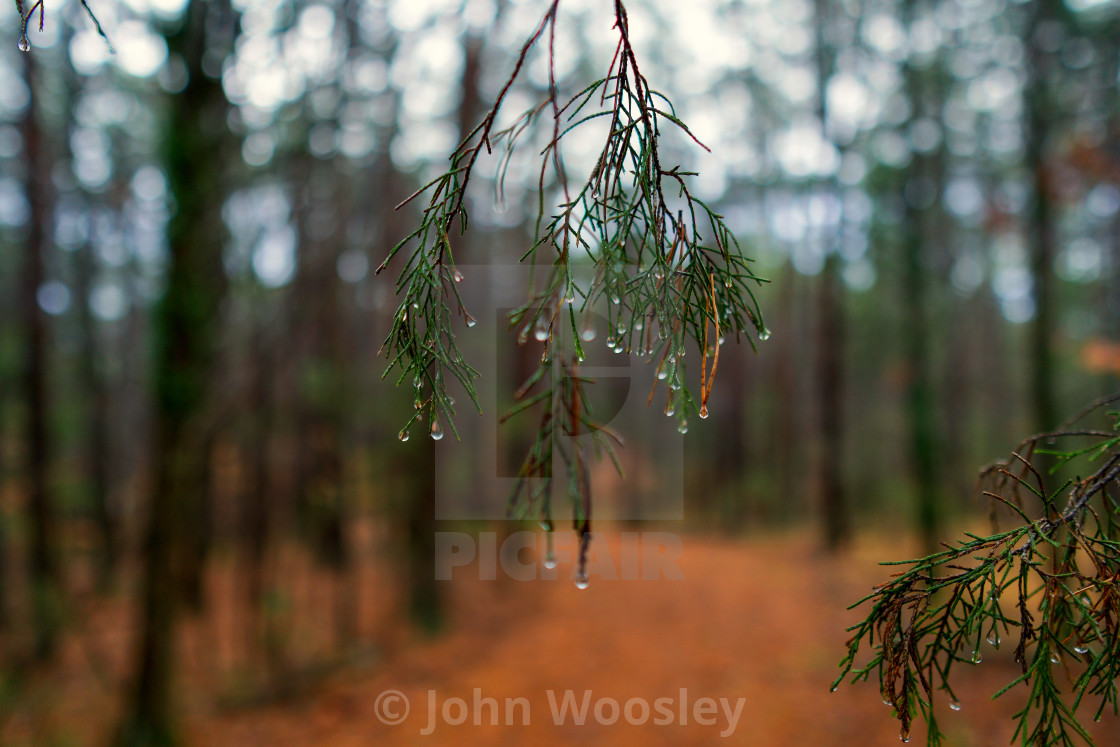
(44, 566)
(830, 330)
(921, 226)
(185, 326)
(1041, 230)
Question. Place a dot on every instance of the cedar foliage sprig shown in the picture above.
(666, 264)
(41, 6)
(1052, 583)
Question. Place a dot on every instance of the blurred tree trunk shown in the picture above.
(830, 386)
(322, 413)
(957, 399)
(921, 229)
(1041, 229)
(830, 329)
(730, 451)
(260, 617)
(425, 600)
(782, 438)
(46, 589)
(97, 437)
(5, 560)
(185, 329)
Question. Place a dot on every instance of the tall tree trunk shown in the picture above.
(257, 519)
(5, 560)
(782, 437)
(920, 221)
(44, 567)
(185, 327)
(1041, 229)
(830, 385)
(830, 330)
(97, 437)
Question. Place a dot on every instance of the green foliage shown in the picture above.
(668, 266)
(1052, 581)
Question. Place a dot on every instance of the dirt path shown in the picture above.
(741, 625)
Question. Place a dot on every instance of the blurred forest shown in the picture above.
(194, 430)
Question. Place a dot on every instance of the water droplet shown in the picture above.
(834, 688)
(621, 329)
(540, 333)
(662, 374)
(618, 348)
(721, 339)
(675, 384)
(704, 411)
(403, 436)
(764, 334)
(1081, 649)
(581, 581)
(955, 706)
(550, 560)
(670, 410)
(1055, 659)
(616, 299)
(437, 431)
(546, 525)
(457, 276)
(588, 333)
(610, 343)
(639, 325)
(471, 321)
(727, 282)
(976, 657)
(416, 381)
(683, 427)
(415, 305)
(24, 44)
(418, 403)
(993, 639)
(887, 702)
(904, 737)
